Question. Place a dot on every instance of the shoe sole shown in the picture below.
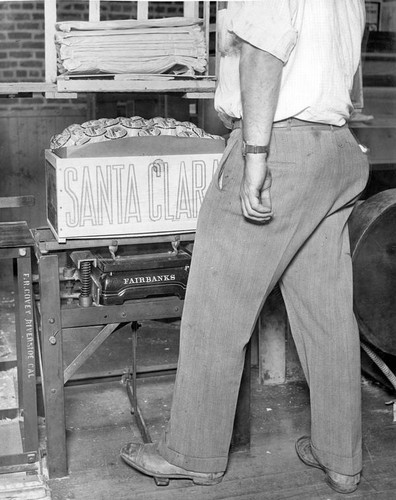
(195, 480)
(314, 463)
(339, 489)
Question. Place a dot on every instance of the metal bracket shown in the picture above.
(175, 245)
(113, 249)
(83, 256)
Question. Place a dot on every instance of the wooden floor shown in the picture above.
(99, 423)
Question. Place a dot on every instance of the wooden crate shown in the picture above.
(149, 194)
(201, 86)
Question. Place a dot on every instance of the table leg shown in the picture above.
(24, 320)
(52, 366)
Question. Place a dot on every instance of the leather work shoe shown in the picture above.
(145, 458)
(338, 482)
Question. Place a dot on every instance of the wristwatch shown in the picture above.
(253, 149)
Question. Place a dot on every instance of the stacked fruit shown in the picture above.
(106, 129)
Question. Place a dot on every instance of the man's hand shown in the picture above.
(255, 189)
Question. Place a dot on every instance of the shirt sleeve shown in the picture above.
(266, 24)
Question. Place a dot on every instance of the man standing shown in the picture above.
(276, 212)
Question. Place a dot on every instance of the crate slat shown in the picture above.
(142, 10)
(94, 11)
(49, 40)
(98, 85)
(191, 8)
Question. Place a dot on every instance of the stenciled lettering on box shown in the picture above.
(127, 195)
(115, 194)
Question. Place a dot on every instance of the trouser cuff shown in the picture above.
(195, 464)
(342, 465)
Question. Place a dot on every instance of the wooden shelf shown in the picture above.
(15, 88)
(105, 84)
(202, 86)
(66, 88)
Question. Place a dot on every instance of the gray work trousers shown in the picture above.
(318, 173)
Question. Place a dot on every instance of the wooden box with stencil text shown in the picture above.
(153, 185)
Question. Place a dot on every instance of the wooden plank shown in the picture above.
(47, 243)
(89, 350)
(142, 9)
(11, 450)
(49, 41)
(48, 114)
(94, 11)
(15, 235)
(199, 95)
(13, 88)
(191, 8)
(63, 95)
(52, 365)
(28, 485)
(206, 17)
(26, 338)
(9, 460)
(9, 253)
(74, 85)
(15, 469)
(17, 201)
(141, 372)
(139, 310)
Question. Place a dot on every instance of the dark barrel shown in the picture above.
(372, 229)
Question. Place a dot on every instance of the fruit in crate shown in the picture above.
(107, 129)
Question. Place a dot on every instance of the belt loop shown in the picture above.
(236, 124)
(289, 123)
(331, 127)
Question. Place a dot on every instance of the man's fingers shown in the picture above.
(266, 199)
(255, 193)
(252, 209)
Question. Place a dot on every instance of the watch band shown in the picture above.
(253, 149)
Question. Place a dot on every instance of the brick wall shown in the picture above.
(22, 57)
(22, 31)
(21, 41)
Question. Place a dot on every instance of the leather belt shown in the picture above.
(294, 122)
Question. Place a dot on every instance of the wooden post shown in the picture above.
(50, 50)
(142, 10)
(25, 338)
(94, 11)
(191, 8)
(207, 28)
(51, 348)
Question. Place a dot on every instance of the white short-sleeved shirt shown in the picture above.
(319, 42)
